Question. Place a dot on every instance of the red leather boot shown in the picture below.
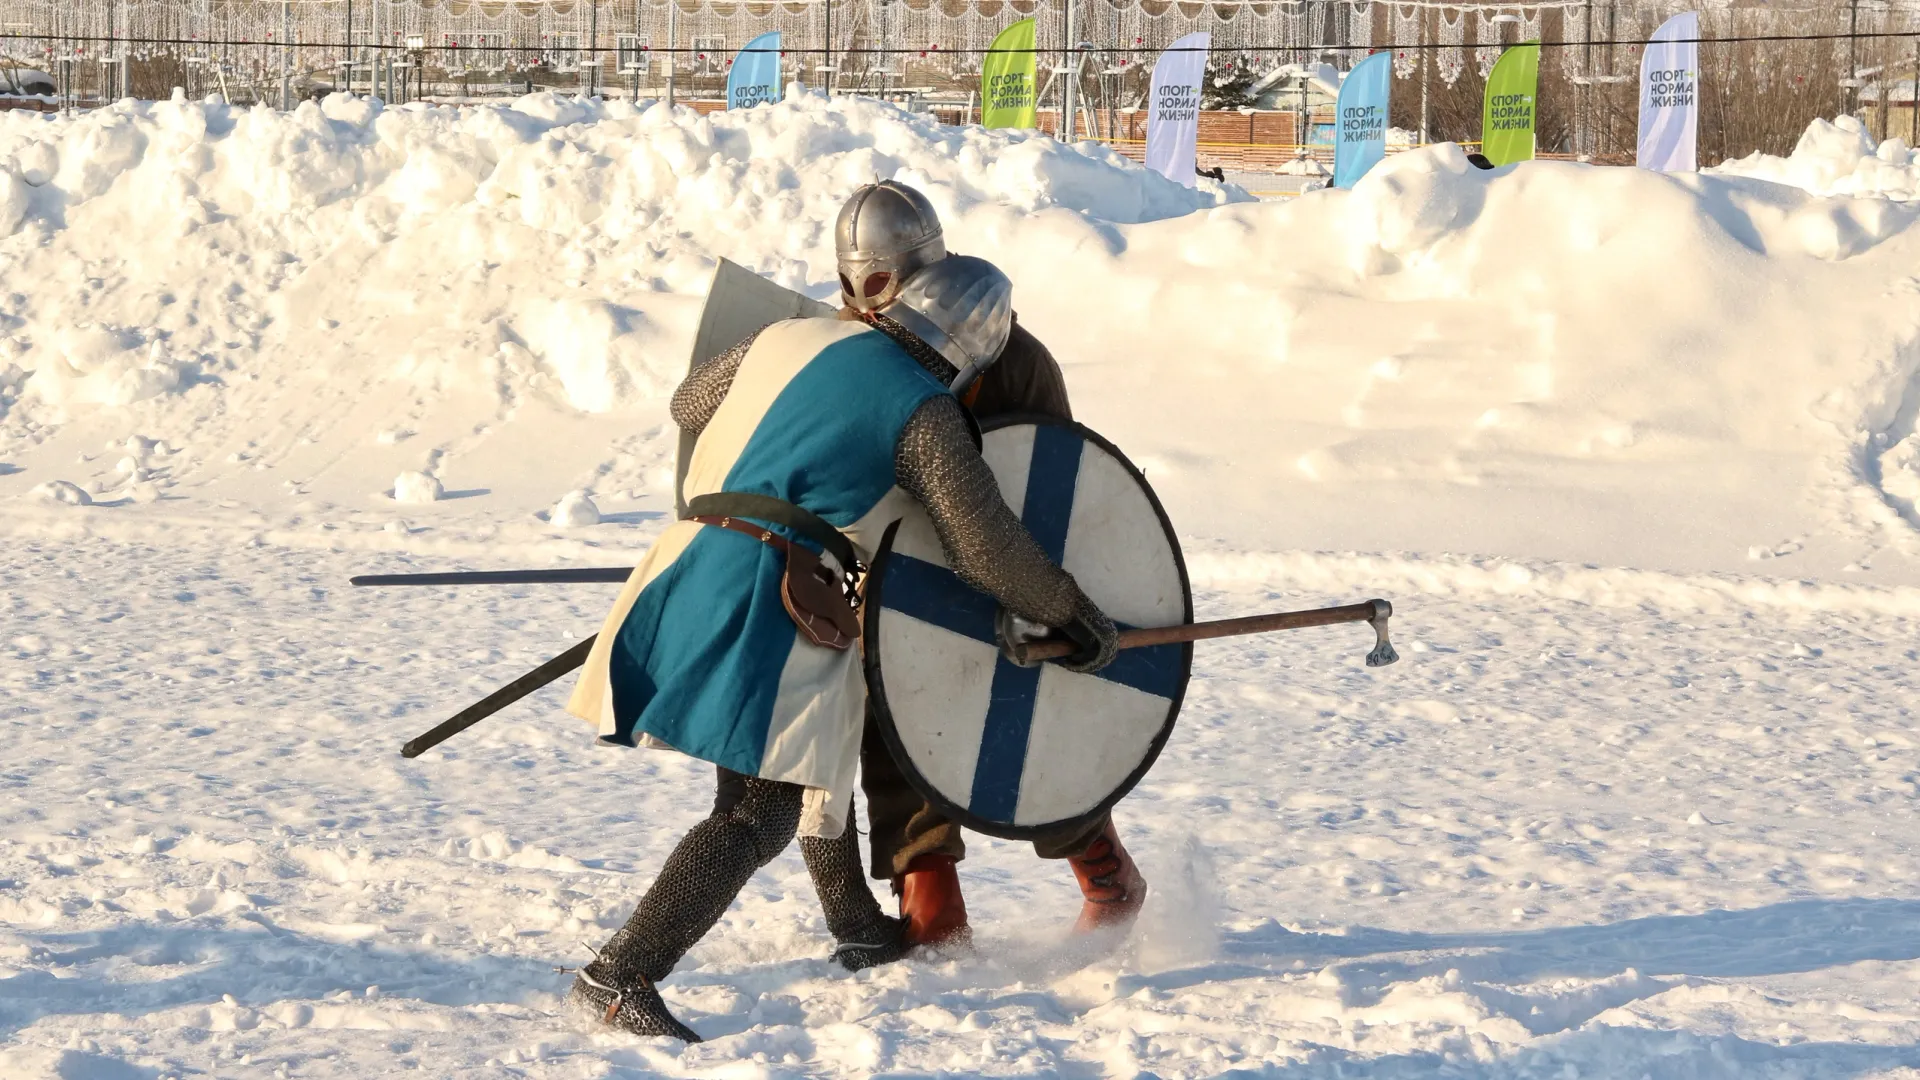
(931, 903)
(1112, 885)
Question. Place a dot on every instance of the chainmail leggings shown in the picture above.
(839, 876)
(753, 820)
(704, 875)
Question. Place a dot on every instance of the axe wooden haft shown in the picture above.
(1373, 612)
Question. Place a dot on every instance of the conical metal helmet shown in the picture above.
(886, 231)
(962, 306)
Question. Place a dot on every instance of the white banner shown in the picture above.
(1173, 119)
(1670, 97)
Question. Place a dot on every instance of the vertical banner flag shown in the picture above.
(1006, 79)
(1360, 119)
(755, 75)
(1506, 123)
(1670, 97)
(1173, 122)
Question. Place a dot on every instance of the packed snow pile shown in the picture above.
(1596, 364)
(217, 225)
(575, 510)
(417, 487)
(1547, 360)
(1837, 157)
(61, 491)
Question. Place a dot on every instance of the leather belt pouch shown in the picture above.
(809, 589)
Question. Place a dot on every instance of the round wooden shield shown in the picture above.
(1021, 752)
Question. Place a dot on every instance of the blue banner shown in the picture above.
(1360, 119)
(755, 75)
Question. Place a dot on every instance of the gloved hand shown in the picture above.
(1096, 636)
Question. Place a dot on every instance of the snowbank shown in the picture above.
(1549, 361)
(1836, 157)
(210, 211)
(1591, 364)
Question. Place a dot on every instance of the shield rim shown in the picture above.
(876, 689)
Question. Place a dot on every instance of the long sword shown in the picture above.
(500, 699)
(526, 684)
(581, 575)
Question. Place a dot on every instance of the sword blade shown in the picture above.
(580, 575)
(500, 699)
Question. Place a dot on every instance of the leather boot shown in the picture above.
(931, 904)
(1112, 885)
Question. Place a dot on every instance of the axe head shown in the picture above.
(1382, 653)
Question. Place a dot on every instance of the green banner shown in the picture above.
(1513, 97)
(1006, 79)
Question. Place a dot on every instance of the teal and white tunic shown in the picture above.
(699, 654)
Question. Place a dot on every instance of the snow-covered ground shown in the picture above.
(1635, 457)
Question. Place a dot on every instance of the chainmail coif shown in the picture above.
(923, 354)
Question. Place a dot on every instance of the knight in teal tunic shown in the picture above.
(706, 659)
(845, 421)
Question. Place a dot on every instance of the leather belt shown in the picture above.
(745, 528)
(740, 504)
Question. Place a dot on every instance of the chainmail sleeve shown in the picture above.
(706, 386)
(937, 463)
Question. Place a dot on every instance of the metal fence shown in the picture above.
(98, 48)
(1767, 69)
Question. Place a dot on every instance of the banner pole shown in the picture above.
(1853, 54)
(1586, 89)
(673, 11)
(286, 56)
(1069, 58)
(1426, 64)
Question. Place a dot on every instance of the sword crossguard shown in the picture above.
(1383, 653)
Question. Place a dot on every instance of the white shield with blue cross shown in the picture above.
(1016, 751)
